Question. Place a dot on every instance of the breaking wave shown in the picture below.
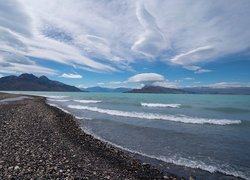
(54, 97)
(54, 105)
(160, 105)
(59, 100)
(167, 117)
(88, 101)
(177, 160)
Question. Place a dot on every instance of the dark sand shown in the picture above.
(42, 142)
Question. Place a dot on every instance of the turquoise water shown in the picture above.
(209, 132)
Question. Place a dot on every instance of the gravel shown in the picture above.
(38, 141)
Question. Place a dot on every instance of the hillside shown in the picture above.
(193, 90)
(209, 90)
(29, 82)
(157, 90)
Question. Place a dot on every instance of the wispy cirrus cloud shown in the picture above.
(229, 84)
(152, 41)
(197, 69)
(188, 79)
(193, 56)
(72, 76)
(13, 63)
(110, 36)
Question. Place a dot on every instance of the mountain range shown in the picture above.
(104, 89)
(192, 90)
(29, 82)
(158, 90)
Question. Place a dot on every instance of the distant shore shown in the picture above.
(38, 140)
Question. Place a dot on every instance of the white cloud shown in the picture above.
(197, 82)
(192, 68)
(146, 77)
(117, 82)
(16, 63)
(72, 76)
(81, 86)
(229, 84)
(152, 41)
(197, 69)
(114, 34)
(193, 56)
(166, 84)
(189, 79)
(152, 79)
(112, 83)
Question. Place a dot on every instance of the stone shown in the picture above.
(192, 178)
(16, 168)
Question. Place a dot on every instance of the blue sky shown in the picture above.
(129, 43)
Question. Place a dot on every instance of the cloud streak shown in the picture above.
(111, 36)
(193, 56)
(72, 76)
(229, 84)
(152, 41)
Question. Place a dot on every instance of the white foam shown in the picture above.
(78, 117)
(53, 97)
(160, 105)
(54, 105)
(88, 101)
(20, 98)
(59, 100)
(142, 115)
(177, 160)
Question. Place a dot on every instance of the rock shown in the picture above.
(192, 178)
(10, 168)
(16, 168)
(107, 177)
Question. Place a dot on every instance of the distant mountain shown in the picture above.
(193, 90)
(29, 82)
(122, 89)
(210, 90)
(158, 90)
(104, 89)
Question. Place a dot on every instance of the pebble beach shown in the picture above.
(42, 142)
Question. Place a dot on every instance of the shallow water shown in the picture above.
(14, 99)
(209, 132)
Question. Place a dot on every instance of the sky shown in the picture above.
(128, 43)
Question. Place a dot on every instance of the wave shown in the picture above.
(53, 97)
(88, 101)
(80, 118)
(160, 105)
(54, 105)
(152, 116)
(64, 110)
(59, 100)
(177, 160)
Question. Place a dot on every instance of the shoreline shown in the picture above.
(134, 165)
(42, 141)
